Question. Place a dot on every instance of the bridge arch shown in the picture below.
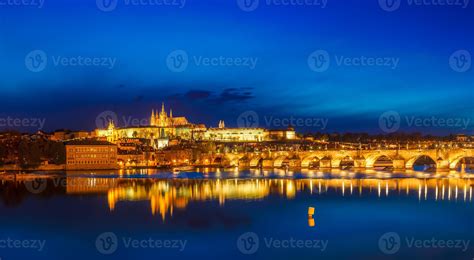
(420, 158)
(312, 161)
(346, 162)
(379, 160)
(459, 161)
(233, 160)
(281, 161)
(256, 161)
(220, 161)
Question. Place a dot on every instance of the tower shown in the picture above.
(171, 118)
(163, 116)
(152, 119)
(111, 125)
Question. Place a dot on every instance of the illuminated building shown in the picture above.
(163, 126)
(160, 129)
(90, 154)
(235, 134)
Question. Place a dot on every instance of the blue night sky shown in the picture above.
(279, 38)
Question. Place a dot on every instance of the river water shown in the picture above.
(237, 214)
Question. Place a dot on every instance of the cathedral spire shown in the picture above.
(171, 113)
(163, 107)
(152, 119)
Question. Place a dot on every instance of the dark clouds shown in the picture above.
(227, 95)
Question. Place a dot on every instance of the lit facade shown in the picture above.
(163, 127)
(235, 134)
(89, 154)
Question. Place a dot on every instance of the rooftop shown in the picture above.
(89, 142)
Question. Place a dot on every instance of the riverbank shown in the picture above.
(17, 168)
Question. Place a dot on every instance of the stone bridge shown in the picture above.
(444, 158)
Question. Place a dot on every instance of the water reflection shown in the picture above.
(166, 192)
(167, 195)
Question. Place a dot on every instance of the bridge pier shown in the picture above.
(294, 163)
(325, 163)
(267, 163)
(442, 165)
(244, 163)
(360, 163)
(398, 164)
